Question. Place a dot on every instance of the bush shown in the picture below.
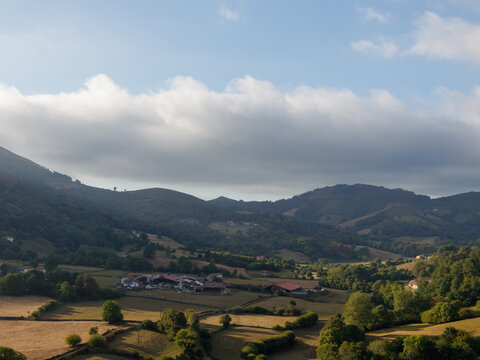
(49, 305)
(305, 320)
(225, 320)
(149, 325)
(111, 312)
(73, 340)
(97, 341)
(267, 346)
(93, 330)
(10, 354)
(171, 322)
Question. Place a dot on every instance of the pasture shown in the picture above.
(20, 305)
(98, 357)
(43, 339)
(324, 309)
(148, 344)
(135, 309)
(263, 321)
(235, 298)
(470, 325)
(226, 344)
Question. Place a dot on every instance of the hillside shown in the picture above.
(329, 223)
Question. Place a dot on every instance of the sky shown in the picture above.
(250, 99)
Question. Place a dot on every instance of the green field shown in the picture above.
(236, 298)
(148, 344)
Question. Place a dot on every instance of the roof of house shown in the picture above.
(287, 285)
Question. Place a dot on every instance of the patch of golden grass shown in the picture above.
(79, 269)
(132, 308)
(324, 309)
(148, 344)
(98, 357)
(407, 266)
(267, 321)
(20, 305)
(470, 325)
(304, 348)
(43, 339)
(226, 344)
(295, 255)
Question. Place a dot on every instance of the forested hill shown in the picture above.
(333, 204)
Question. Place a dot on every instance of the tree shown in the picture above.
(93, 330)
(149, 251)
(87, 287)
(358, 310)
(352, 351)
(97, 341)
(73, 340)
(7, 353)
(12, 284)
(111, 312)
(225, 320)
(189, 341)
(171, 322)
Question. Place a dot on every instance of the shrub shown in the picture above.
(225, 320)
(49, 305)
(268, 345)
(93, 330)
(73, 340)
(171, 322)
(97, 341)
(7, 353)
(149, 325)
(111, 312)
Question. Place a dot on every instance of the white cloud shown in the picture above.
(381, 48)
(250, 137)
(229, 14)
(448, 38)
(370, 14)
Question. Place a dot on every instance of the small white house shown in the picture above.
(8, 238)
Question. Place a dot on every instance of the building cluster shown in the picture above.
(290, 288)
(179, 283)
(26, 269)
(413, 284)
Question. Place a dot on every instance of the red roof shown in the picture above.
(287, 285)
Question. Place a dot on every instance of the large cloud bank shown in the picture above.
(250, 137)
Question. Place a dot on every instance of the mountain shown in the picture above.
(330, 222)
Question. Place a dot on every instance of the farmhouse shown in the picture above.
(413, 284)
(266, 273)
(130, 283)
(215, 276)
(8, 238)
(213, 288)
(25, 269)
(285, 287)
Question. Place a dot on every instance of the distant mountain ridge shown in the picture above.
(390, 219)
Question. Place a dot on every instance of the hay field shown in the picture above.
(226, 344)
(20, 305)
(136, 309)
(148, 344)
(265, 321)
(304, 349)
(42, 339)
(220, 301)
(79, 269)
(324, 309)
(470, 325)
(99, 357)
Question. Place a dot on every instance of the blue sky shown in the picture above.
(422, 53)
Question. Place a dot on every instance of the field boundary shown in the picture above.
(175, 301)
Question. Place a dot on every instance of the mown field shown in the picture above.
(136, 309)
(43, 339)
(470, 325)
(263, 321)
(236, 298)
(98, 357)
(226, 344)
(324, 309)
(20, 305)
(148, 344)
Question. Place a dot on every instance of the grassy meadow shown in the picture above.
(39, 340)
(20, 305)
